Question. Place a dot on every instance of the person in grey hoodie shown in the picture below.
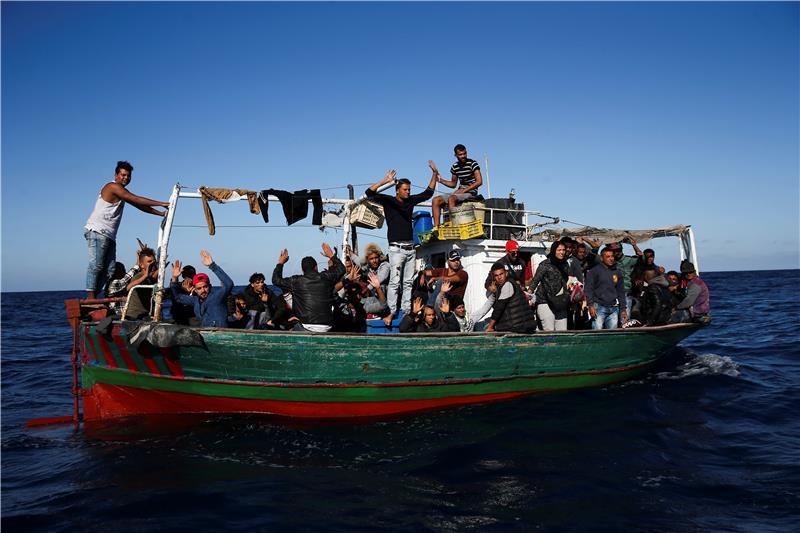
(605, 293)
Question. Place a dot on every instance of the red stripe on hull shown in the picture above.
(147, 356)
(125, 355)
(108, 359)
(123, 349)
(172, 362)
(111, 401)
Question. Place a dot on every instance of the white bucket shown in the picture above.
(462, 215)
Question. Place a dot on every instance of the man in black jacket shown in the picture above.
(312, 292)
(511, 310)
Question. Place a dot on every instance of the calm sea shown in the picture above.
(708, 441)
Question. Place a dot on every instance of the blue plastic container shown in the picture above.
(376, 325)
(421, 222)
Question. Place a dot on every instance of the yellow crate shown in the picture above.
(367, 215)
(448, 232)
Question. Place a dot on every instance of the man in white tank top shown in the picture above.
(101, 228)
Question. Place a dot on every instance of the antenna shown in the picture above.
(488, 184)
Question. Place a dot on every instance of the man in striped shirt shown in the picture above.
(466, 174)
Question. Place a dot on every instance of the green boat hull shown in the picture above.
(354, 375)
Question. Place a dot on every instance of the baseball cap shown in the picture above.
(198, 278)
(512, 246)
(454, 255)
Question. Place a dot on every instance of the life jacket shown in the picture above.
(518, 315)
(701, 305)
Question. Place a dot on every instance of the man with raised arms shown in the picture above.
(101, 228)
(398, 210)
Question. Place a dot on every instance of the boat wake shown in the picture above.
(703, 365)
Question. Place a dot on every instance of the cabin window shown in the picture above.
(437, 260)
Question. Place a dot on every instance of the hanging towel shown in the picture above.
(300, 205)
(225, 195)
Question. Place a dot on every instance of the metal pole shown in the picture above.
(164, 232)
(488, 184)
(354, 235)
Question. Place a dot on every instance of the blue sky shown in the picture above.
(629, 115)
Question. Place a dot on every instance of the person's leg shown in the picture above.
(546, 317)
(612, 318)
(600, 316)
(110, 261)
(96, 271)
(560, 324)
(436, 207)
(396, 259)
(409, 259)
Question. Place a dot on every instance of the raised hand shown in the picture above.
(389, 177)
(284, 257)
(373, 280)
(433, 166)
(444, 306)
(206, 257)
(446, 286)
(176, 269)
(326, 250)
(418, 305)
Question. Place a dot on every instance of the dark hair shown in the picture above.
(459, 148)
(123, 165)
(498, 266)
(607, 249)
(188, 272)
(649, 251)
(308, 264)
(257, 276)
(673, 273)
(402, 181)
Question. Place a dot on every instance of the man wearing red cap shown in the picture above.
(514, 264)
(210, 303)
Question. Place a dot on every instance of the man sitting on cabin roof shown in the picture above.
(466, 174)
(511, 311)
(143, 272)
(210, 303)
(313, 291)
(456, 275)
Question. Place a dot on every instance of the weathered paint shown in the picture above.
(316, 375)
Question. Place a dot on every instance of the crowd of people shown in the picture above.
(577, 286)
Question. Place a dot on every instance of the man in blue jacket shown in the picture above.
(210, 303)
(605, 292)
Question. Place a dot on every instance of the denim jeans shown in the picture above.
(102, 257)
(607, 317)
(401, 264)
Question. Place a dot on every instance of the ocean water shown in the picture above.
(710, 440)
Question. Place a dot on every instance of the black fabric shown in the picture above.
(399, 214)
(312, 293)
(165, 335)
(295, 205)
(656, 305)
(513, 314)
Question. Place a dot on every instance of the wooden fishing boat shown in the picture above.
(338, 375)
